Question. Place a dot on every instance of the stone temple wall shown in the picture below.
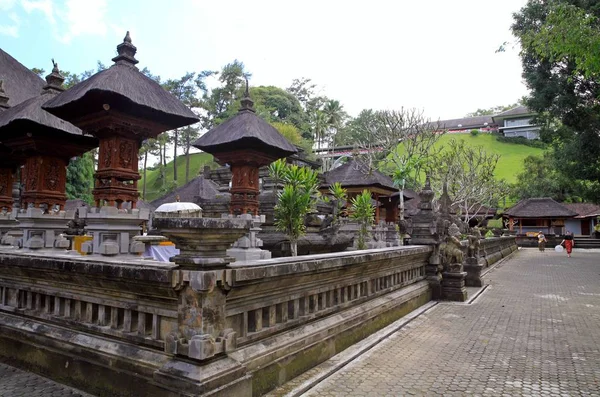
(128, 326)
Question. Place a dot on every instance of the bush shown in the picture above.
(474, 132)
(495, 224)
(520, 140)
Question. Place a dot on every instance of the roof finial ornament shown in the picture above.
(126, 52)
(3, 97)
(54, 80)
(247, 103)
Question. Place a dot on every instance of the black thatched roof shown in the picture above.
(584, 210)
(543, 207)
(197, 188)
(28, 116)
(20, 83)
(124, 88)
(245, 130)
(357, 174)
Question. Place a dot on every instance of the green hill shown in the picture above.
(511, 154)
(154, 183)
(509, 165)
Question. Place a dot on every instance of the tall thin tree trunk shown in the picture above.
(175, 143)
(187, 166)
(144, 185)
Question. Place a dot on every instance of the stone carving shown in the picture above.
(473, 250)
(453, 253)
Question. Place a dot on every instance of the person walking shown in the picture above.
(541, 241)
(568, 243)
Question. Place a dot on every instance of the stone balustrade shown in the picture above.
(260, 323)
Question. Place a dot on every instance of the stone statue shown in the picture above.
(453, 253)
(474, 243)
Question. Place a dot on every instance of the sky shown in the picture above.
(434, 55)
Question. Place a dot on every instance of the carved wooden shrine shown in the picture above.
(245, 142)
(44, 144)
(121, 107)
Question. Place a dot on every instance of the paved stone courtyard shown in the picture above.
(15, 382)
(534, 331)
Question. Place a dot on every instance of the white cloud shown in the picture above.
(71, 19)
(12, 29)
(43, 6)
(83, 18)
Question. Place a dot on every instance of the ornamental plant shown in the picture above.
(363, 211)
(295, 201)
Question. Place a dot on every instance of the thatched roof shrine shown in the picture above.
(355, 174)
(246, 131)
(122, 88)
(25, 122)
(544, 207)
(20, 83)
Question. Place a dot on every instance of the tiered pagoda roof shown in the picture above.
(122, 87)
(245, 131)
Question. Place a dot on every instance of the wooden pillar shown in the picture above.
(520, 225)
(510, 223)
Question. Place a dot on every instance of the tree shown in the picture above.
(184, 89)
(540, 178)
(295, 201)
(147, 147)
(468, 174)
(493, 110)
(402, 142)
(356, 129)
(561, 70)
(363, 211)
(80, 178)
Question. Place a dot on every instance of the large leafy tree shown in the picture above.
(540, 178)
(80, 177)
(561, 67)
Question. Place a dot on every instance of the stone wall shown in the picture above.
(117, 326)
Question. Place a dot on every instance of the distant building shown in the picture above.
(517, 122)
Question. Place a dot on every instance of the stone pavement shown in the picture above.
(535, 331)
(15, 382)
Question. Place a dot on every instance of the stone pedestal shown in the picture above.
(248, 248)
(474, 267)
(44, 230)
(203, 242)
(202, 281)
(392, 236)
(10, 231)
(453, 284)
(113, 229)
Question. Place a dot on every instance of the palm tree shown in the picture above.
(319, 126)
(335, 116)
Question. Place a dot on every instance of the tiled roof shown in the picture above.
(544, 207)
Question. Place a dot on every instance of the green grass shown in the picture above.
(154, 183)
(511, 154)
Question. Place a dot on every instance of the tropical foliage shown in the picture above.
(297, 198)
(363, 211)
